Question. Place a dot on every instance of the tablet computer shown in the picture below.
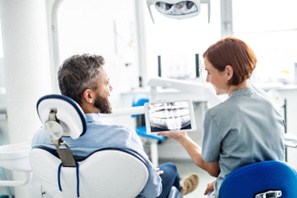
(166, 116)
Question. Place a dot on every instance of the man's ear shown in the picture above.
(229, 72)
(88, 96)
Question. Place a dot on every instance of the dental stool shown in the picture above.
(267, 179)
(108, 173)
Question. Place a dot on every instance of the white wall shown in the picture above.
(106, 28)
(26, 67)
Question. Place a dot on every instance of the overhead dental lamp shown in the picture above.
(178, 9)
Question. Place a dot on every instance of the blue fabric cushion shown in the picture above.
(249, 180)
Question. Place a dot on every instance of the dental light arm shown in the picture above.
(128, 111)
(199, 89)
(208, 8)
(180, 85)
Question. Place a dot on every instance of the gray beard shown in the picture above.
(103, 105)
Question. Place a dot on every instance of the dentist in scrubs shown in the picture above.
(244, 129)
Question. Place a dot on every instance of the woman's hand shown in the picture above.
(174, 134)
(209, 188)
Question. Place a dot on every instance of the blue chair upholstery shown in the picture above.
(140, 122)
(261, 180)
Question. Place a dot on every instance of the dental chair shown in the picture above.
(267, 179)
(107, 173)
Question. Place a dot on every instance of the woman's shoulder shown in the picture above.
(222, 108)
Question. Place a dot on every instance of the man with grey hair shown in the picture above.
(84, 79)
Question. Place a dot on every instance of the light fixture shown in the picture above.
(178, 9)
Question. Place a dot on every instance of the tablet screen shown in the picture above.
(169, 116)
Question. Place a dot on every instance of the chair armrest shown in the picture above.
(291, 140)
(141, 131)
(14, 183)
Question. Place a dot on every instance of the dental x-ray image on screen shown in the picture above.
(169, 116)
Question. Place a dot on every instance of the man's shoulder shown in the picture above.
(109, 128)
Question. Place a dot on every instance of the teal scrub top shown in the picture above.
(244, 129)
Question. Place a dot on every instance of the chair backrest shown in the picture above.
(106, 173)
(261, 180)
(68, 118)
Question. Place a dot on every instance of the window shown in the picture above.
(268, 26)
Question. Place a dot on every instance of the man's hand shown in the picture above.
(159, 172)
(209, 188)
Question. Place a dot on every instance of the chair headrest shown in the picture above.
(69, 115)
